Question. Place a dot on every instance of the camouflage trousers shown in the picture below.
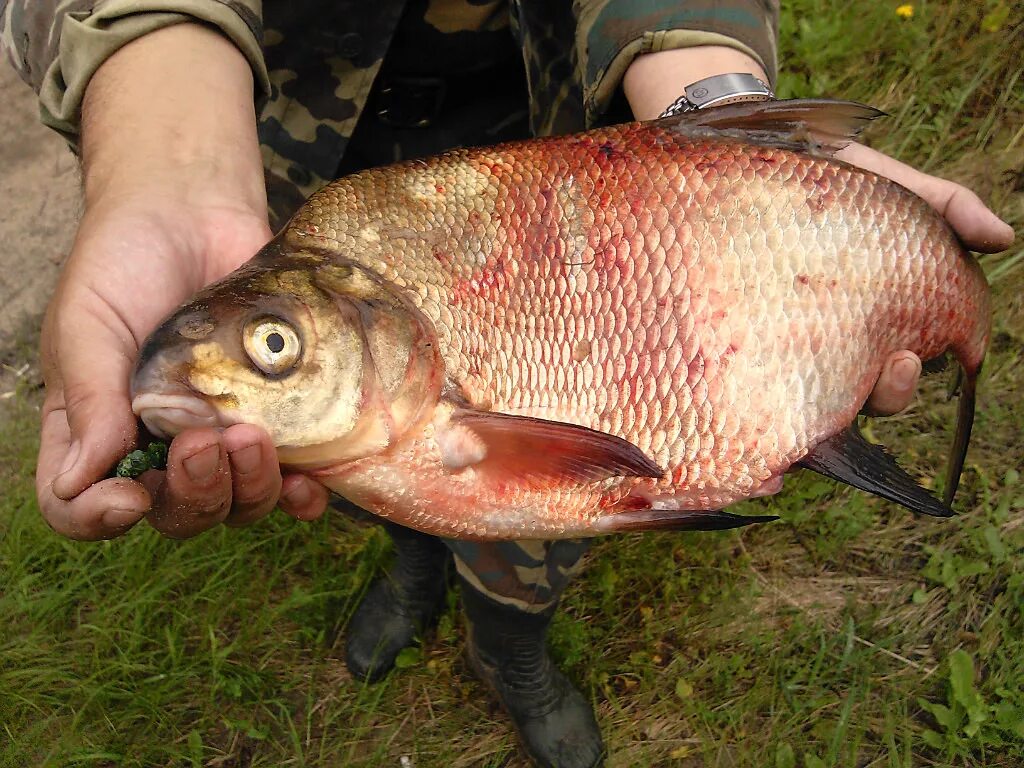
(525, 575)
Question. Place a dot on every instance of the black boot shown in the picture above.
(399, 605)
(507, 650)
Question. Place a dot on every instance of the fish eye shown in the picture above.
(271, 344)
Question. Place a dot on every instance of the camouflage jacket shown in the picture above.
(315, 63)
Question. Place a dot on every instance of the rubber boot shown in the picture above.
(398, 606)
(507, 649)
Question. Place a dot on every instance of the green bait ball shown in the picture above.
(157, 453)
(133, 465)
(137, 462)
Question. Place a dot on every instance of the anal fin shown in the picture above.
(676, 520)
(849, 458)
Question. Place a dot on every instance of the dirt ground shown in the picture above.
(39, 204)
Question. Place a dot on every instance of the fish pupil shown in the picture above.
(275, 342)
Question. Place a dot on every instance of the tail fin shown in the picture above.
(970, 354)
(964, 422)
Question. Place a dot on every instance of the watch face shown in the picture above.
(719, 90)
(727, 89)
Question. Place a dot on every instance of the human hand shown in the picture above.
(977, 226)
(655, 80)
(162, 219)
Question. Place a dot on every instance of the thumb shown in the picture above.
(95, 357)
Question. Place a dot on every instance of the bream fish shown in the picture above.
(625, 329)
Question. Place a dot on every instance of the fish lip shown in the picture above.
(165, 414)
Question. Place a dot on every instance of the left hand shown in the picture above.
(977, 226)
(654, 81)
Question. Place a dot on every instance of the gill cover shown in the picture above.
(401, 371)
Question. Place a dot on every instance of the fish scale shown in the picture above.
(722, 301)
(828, 220)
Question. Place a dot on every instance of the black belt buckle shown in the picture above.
(410, 102)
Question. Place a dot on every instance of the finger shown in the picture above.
(103, 511)
(196, 490)
(977, 226)
(894, 389)
(302, 498)
(95, 357)
(255, 475)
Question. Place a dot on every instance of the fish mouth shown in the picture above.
(166, 414)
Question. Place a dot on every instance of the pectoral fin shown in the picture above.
(676, 520)
(849, 458)
(527, 449)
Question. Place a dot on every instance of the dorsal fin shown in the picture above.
(817, 126)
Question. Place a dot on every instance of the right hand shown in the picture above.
(161, 221)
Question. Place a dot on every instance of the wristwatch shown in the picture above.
(717, 90)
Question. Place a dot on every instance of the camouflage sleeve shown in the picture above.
(57, 45)
(611, 33)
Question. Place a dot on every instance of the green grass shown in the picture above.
(848, 634)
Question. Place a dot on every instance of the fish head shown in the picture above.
(332, 361)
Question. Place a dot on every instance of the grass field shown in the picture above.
(848, 634)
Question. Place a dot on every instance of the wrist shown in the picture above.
(655, 80)
(172, 114)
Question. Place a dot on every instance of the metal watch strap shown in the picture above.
(717, 90)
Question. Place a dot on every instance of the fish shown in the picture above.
(631, 328)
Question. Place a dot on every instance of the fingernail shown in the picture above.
(298, 496)
(200, 466)
(71, 459)
(245, 460)
(904, 372)
(120, 518)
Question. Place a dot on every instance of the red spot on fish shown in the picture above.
(766, 156)
(821, 202)
(803, 279)
(487, 282)
(631, 503)
(439, 188)
(695, 370)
